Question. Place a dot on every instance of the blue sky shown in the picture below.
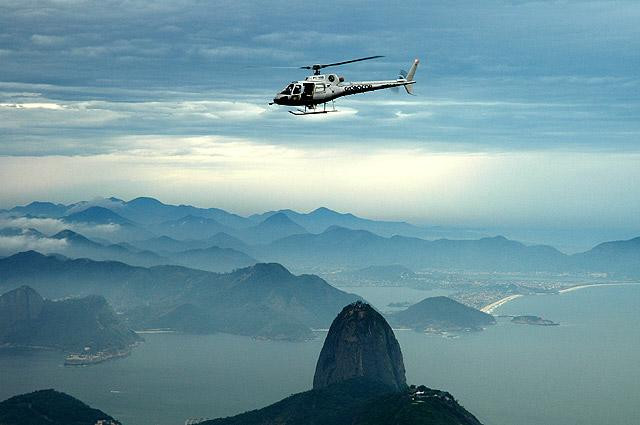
(526, 114)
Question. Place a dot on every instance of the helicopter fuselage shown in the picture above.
(319, 89)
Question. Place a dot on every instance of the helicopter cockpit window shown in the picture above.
(297, 88)
(319, 87)
(287, 90)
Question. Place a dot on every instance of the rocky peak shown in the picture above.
(360, 343)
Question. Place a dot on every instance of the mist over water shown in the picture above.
(581, 372)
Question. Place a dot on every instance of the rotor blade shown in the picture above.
(350, 61)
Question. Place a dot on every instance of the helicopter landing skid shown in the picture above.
(314, 110)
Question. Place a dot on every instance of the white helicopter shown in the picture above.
(318, 89)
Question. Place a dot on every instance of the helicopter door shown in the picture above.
(307, 93)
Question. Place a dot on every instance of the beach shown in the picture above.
(575, 288)
(490, 307)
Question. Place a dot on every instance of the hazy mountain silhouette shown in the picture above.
(151, 211)
(320, 219)
(616, 256)
(213, 259)
(41, 209)
(342, 242)
(442, 314)
(189, 227)
(274, 227)
(338, 246)
(26, 319)
(262, 300)
(97, 215)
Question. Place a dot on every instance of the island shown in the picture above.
(533, 320)
(441, 315)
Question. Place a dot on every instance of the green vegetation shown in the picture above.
(442, 314)
(49, 407)
(359, 402)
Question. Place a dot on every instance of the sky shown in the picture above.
(526, 114)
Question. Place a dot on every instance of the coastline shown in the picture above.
(575, 288)
(490, 307)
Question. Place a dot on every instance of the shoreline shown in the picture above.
(575, 288)
(490, 307)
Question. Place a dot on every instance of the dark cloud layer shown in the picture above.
(495, 75)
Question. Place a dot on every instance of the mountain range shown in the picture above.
(263, 300)
(147, 232)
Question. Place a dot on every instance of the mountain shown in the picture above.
(17, 231)
(189, 227)
(113, 226)
(26, 319)
(322, 218)
(50, 407)
(360, 344)
(151, 211)
(264, 300)
(359, 380)
(97, 215)
(224, 240)
(358, 402)
(165, 244)
(75, 245)
(213, 259)
(123, 285)
(616, 256)
(341, 247)
(442, 314)
(273, 227)
(41, 209)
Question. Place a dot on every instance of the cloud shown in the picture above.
(10, 245)
(51, 226)
(47, 40)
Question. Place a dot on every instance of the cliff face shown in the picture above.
(360, 343)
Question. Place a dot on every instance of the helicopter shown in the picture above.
(319, 89)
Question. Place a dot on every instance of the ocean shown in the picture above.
(584, 371)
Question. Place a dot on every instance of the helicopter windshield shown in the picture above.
(287, 90)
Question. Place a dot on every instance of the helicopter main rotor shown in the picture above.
(317, 67)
